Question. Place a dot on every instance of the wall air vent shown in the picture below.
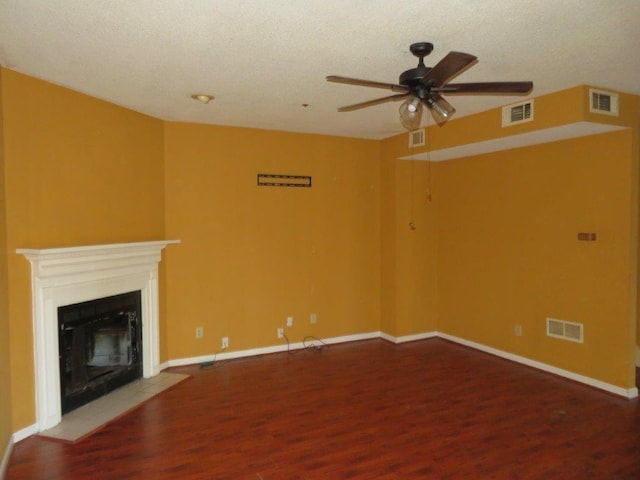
(416, 138)
(603, 102)
(566, 330)
(517, 113)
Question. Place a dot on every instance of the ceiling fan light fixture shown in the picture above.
(411, 113)
(441, 110)
(201, 97)
(413, 104)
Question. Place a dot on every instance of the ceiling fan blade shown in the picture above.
(453, 64)
(370, 103)
(368, 83)
(504, 88)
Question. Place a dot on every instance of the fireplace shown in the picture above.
(73, 275)
(100, 347)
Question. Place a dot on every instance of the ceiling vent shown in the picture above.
(517, 113)
(416, 138)
(603, 102)
(566, 330)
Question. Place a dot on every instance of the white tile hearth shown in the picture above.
(87, 419)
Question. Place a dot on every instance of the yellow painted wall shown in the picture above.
(409, 240)
(508, 252)
(410, 257)
(78, 171)
(484, 250)
(251, 256)
(5, 372)
(505, 226)
(629, 115)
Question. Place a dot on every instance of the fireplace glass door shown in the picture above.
(100, 347)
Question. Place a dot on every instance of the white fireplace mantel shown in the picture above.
(64, 276)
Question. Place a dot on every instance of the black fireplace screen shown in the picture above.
(100, 347)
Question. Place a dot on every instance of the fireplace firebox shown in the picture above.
(100, 347)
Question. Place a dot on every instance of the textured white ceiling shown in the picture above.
(263, 59)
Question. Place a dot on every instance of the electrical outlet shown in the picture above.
(199, 332)
(289, 321)
(313, 319)
(281, 333)
(225, 342)
(518, 330)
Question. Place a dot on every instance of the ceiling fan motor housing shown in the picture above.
(412, 78)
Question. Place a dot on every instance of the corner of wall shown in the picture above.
(5, 374)
(4, 464)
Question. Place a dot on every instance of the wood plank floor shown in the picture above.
(367, 410)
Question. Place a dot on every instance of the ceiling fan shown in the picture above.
(424, 85)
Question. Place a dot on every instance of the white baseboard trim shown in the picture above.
(628, 393)
(352, 338)
(5, 458)
(25, 433)
(408, 338)
(180, 362)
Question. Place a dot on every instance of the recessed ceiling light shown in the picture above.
(201, 97)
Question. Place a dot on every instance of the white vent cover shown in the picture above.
(517, 113)
(416, 138)
(603, 102)
(566, 330)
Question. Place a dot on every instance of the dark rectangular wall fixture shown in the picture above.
(274, 180)
(587, 236)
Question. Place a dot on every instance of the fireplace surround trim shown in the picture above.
(63, 276)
